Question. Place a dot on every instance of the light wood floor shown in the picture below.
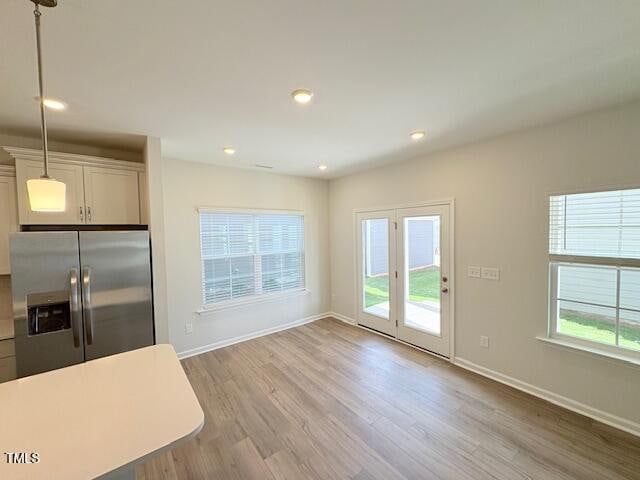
(327, 400)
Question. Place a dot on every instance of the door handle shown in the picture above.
(445, 290)
(81, 215)
(86, 297)
(89, 214)
(73, 301)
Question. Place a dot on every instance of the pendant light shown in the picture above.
(45, 193)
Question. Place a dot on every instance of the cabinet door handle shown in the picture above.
(89, 214)
(81, 215)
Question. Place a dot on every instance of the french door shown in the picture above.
(376, 244)
(404, 277)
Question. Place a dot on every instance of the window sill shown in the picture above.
(250, 301)
(617, 357)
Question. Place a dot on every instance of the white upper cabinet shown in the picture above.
(111, 196)
(100, 191)
(8, 215)
(70, 175)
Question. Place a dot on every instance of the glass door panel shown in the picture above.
(376, 266)
(422, 273)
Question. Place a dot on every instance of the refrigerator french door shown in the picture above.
(78, 296)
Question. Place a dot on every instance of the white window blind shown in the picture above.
(600, 224)
(250, 254)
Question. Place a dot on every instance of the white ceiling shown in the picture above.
(203, 74)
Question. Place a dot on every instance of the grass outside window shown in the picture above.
(601, 330)
(424, 284)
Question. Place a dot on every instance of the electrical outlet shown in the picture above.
(484, 341)
(474, 272)
(188, 328)
(490, 273)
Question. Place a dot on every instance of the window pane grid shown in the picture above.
(585, 303)
(250, 254)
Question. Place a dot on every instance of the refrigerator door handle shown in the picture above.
(88, 311)
(75, 309)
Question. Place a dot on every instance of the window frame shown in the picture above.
(260, 297)
(556, 260)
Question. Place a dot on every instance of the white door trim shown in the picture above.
(430, 203)
(446, 201)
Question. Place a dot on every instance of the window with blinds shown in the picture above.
(594, 260)
(601, 224)
(250, 254)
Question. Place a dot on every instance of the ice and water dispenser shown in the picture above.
(48, 312)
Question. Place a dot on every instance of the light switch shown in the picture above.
(474, 272)
(490, 273)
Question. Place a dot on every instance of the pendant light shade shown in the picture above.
(46, 195)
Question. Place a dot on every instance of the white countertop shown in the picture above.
(96, 417)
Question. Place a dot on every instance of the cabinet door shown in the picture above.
(70, 175)
(8, 219)
(111, 196)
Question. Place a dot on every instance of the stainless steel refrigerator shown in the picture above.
(78, 296)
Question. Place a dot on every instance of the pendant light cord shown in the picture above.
(45, 143)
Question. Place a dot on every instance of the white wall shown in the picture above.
(188, 185)
(154, 198)
(500, 189)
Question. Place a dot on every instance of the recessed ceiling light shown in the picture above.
(322, 167)
(417, 135)
(302, 96)
(52, 103)
(229, 150)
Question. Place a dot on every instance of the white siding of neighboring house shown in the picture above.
(423, 245)
(598, 285)
(377, 257)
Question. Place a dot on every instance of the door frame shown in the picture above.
(450, 202)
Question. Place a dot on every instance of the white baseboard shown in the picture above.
(593, 413)
(343, 318)
(250, 336)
